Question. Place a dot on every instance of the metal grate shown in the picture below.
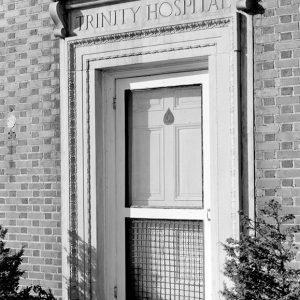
(165, 259)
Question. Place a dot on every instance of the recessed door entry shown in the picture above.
(163, 228)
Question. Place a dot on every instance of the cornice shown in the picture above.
(79, 4)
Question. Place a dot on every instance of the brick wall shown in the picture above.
(30, 162)
(277, 104)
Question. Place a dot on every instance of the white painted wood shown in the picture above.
(98, 185)
(166, 160)
(95, 286)
(162, 213)
(190, 119)
(164, 80)
(120, 192)
(147, 182)
(250, 119)
(65, 208)
(188, 164)
(110, 180)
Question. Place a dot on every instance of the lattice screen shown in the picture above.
(165, 259)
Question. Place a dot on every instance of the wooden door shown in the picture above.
(163, 228)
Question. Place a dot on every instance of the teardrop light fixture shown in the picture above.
(168, 117)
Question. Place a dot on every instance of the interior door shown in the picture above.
(162, 187)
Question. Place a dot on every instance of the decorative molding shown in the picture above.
(89, 204)
(98, 40)
(151, 32)
(73, 203)
(57, 15)
(168, 117)
(140, 53)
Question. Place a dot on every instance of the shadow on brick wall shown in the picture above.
(82, 260)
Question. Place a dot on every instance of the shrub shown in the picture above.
(259, 264)
(10, 274)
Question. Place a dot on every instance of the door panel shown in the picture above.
(188, 97)
(188, 163)
(147, 167)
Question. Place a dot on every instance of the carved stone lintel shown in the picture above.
(57, 15)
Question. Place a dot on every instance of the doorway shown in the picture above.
(159, 226)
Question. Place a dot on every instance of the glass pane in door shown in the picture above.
(164, 147)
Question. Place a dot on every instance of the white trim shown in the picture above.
(166, 80)
(165, 213)
(250, 119)
(65, 208)
(109, 179)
